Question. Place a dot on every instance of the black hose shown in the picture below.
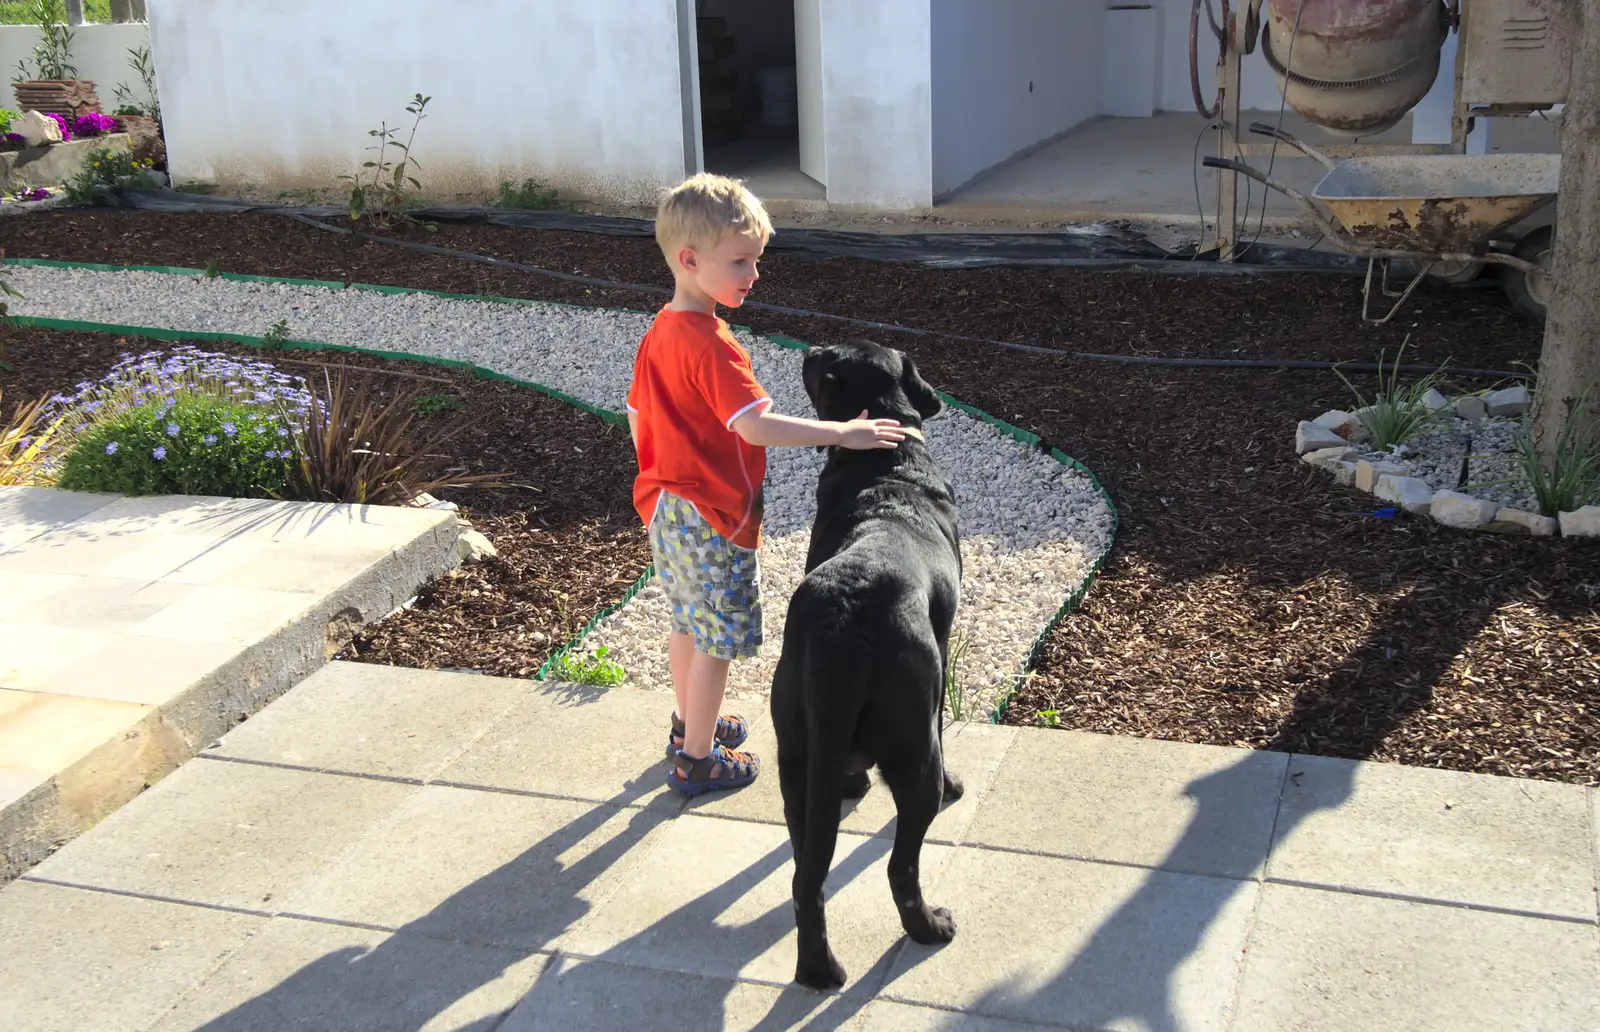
(1149, 360)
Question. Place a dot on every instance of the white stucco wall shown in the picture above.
(584, 97)
(878, 118)
(1259, 93)
(100, 53)
(986, 55)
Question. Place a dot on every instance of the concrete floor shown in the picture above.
(768, 159)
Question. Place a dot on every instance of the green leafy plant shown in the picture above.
(52, 56)
(360, 450)
(386, 199)
(275, 336)
(106, 168)
(139, 60)
(1395, 414)
(594, 668)
(1050, 718)
(438, 404)
(1568, 478)
(212, 269)
(530, 196)
(195, 442)
(7, 116)
(952, 676)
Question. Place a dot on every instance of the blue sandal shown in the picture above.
(731, 732)
(723, 769)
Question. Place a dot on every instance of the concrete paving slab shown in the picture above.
(132, 668)
(21, 590)
(36, 652)
(107, 604)
(226, 834)
(45, 734)
(315, 977)
(885, 1016)
(1334, 961)
(1440, 835)
(484, 867)
(1594, 827)
(1196, 809)
(78, 960)
(361, 718)
(26, 512)
(228, 616)
(1081, 945)
(715, 899)
(70, 554)
(972, 751)
(592, 996)
(16, 783)
(621, 734)
(292, 566)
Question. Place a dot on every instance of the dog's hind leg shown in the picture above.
(816, 966)
(917, 789)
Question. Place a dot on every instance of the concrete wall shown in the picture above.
(584, 97)
(100, 53)
(1260, 92)
(1008, 74)
(878, 112)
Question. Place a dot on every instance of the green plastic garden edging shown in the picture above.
(616, 418)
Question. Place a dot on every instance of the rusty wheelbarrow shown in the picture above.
(1433, 211)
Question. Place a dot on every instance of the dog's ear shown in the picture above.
(922, 397)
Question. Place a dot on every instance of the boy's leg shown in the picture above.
(707, 684)
(680, 653)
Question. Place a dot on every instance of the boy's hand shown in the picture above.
(863, 434)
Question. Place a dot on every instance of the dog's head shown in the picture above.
(845, 379)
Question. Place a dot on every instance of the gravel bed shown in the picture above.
(1032, 527)
(1490, 449)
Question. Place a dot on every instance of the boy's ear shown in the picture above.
(688, 259)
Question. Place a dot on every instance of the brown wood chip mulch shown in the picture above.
(1249, 601)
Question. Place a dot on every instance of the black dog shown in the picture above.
(861, 678)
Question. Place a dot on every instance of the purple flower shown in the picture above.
(272, 454)
(211, 438)
(229, 429)
(111, 449)
(159, 454)
(61, 120)
(172, 429)
(93, 124)
(15, 138)
(282, 432)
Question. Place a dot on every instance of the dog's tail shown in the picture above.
(835, 674)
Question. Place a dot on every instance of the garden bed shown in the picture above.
(1251, 601)
(58, 163)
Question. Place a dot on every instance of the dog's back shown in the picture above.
(860, 681)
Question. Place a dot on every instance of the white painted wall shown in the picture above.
(986, 54)
(878, 110)
(100, 53)
(1260, 91)
(584, 97)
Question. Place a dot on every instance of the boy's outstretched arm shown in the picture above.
(633, 430)
(766, 429)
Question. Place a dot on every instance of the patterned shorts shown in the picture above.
(713, 584)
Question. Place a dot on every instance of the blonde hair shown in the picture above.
(706, 209)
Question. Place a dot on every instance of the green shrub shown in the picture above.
(594, 669)
(1568, 477)
(194, 443)
(7, 116)
(531, 197)
(110, 168)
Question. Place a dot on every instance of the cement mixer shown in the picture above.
(1356, 68)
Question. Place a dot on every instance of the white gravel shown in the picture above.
(1032, 527)
(1488, 445)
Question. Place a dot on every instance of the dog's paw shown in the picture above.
(824, 975)
(953, 788)
(857, 785)
(938, 926)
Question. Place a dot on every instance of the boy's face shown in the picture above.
(725, 273)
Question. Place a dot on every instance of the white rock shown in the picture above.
(1435, 401)
(1513, 401)
(1471, 406)
(1368, 473)
(1344, 473)
(1345, 424)
(474, 547)
(1309, 437)
(36, 130)
(1583, 523)
(1409, 493)
(1454, 509)
(1324, 458)
(1516, 521)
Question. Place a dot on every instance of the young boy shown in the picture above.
(700, 424)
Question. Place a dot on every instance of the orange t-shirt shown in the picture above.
(691, 380)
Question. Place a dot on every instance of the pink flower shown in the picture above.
(93, 124)
(61, 120)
